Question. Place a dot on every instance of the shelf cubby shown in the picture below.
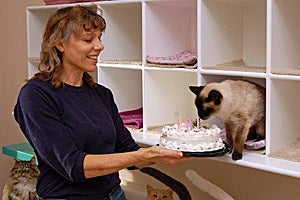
(126, 85)
(35, 29)
(285, 114)
(163, 36)
(167, 95)
(285, 38)
(233, 35)
(122, 38)
(207, 78)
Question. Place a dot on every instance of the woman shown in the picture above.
(72, 122)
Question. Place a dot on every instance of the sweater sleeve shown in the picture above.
(125, 142)
(38, 115)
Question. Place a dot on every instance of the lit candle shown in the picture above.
(186, 124)
(179, 122)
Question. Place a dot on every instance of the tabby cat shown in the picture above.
(175, 185)
(21, 184)
(158, 194)
(241, 106)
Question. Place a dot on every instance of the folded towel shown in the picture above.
(255, 144)
(133, 118)
(185, 58)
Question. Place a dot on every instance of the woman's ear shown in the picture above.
(60, 47)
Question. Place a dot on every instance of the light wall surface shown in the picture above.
(13, 65)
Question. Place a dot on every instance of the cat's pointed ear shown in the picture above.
(149, 188)
(170, 191)
(216, 96)
(33, 160)
(196, 89)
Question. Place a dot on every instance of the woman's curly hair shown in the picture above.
(60, 26)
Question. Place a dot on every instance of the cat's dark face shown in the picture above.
(208, 101)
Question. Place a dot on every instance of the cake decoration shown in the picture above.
(186, 137)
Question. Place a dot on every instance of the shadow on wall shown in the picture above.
(134, 184)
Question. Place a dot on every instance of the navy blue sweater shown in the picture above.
(63, 126)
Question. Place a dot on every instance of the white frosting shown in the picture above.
(203, 139)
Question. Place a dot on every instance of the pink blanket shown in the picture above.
(133, 118)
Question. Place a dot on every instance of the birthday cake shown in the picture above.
(185, 137)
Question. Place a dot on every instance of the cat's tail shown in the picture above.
(207, 186)
(175, 185)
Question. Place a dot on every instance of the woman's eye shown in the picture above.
(86, 39)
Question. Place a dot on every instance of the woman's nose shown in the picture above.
(98, 45)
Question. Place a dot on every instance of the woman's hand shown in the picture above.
(156, 154)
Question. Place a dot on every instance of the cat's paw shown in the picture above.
(236, 156)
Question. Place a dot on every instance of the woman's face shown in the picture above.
(80, 52)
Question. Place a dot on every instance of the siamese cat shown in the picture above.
(239, 104)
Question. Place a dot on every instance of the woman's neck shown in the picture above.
(72, 79)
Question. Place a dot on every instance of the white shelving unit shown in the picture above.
(264, 34)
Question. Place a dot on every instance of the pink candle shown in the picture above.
(186, 124)
(198, 122)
